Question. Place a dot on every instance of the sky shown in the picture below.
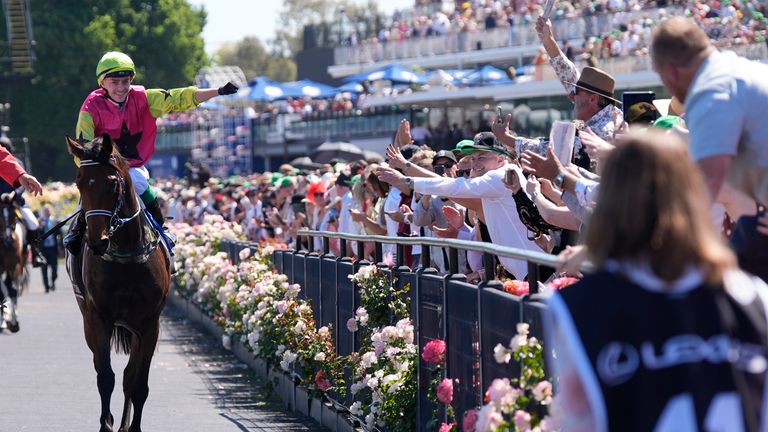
(231, 20)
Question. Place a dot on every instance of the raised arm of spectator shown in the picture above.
(396, 160)
(516, 145)
(15, 175)
(565, 69)
(544, 30)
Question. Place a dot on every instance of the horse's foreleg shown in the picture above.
(98, 335)
(141, 358)
(13, 294)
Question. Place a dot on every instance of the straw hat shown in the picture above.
(596, 81)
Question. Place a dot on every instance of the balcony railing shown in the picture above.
(519, 35)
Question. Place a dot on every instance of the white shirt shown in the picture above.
(499, 208)
(391, 204)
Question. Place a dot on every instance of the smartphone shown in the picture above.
(638, 107)
(509, 176)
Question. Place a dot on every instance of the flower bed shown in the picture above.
(258, 309)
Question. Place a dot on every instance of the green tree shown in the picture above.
(254, 59)
(162, 36)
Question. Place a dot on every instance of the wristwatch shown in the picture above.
(409, 182)
(559, 180)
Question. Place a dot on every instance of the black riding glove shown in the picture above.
(228, 89)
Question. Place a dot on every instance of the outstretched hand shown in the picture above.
(596, 147)
(544, 167)
(31, 184)
(228, 89)
(454, 217)
(395, 157)
(404, 133)
(500, 129)
(544, 28)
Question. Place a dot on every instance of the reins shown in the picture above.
(115, 221)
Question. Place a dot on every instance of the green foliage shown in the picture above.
(162, 36)
(252, 57)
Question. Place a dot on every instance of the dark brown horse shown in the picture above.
(11, 259)
(125, 273)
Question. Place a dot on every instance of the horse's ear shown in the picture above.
(106, 147)
(75, 147)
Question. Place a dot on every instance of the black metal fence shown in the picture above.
(471, 318)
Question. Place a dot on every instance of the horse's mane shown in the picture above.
(93, 151)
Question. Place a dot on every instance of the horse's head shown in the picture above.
(8, 215)
(104, 185)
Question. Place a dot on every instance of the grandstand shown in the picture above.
(444, 44)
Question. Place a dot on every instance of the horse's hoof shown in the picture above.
(14, 328)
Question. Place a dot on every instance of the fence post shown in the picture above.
(533, 277)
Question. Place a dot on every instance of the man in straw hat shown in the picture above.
(724, 96)
(591, 91)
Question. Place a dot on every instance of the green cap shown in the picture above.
(276, 177)
(285, 182)
(353, 180)
(668, 122)
(461, 144)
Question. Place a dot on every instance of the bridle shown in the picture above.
(115, 221)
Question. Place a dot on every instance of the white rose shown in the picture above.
(300, 327)
(501, 354)
(355, 408)
(320, 357)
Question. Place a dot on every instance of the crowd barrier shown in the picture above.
(471, 318)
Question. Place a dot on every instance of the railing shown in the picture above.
(471, 318)
(518, 35)
(331, 125)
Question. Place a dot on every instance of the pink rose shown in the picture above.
(561, 282)
(352, 325)
(434, 352)
(470, 418)
(445, 427)
(522, 420)
(445, 391)
(321, 382)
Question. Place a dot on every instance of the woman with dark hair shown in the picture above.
(667, 334)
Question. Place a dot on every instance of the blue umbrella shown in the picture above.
(351, 87)
(261, 89)
(394, 73)
(487, 75)
(299, 89)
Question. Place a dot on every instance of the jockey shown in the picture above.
(128, 113)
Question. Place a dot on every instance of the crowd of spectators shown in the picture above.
(616, 27)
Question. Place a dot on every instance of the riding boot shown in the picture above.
(74, 239)
(157, 214)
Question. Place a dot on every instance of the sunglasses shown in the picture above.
(464, 173)
(446, 165)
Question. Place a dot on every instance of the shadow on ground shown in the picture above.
(236, 390)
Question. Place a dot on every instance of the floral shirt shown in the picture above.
(605, 122)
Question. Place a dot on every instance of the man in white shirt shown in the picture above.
(489, 163)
